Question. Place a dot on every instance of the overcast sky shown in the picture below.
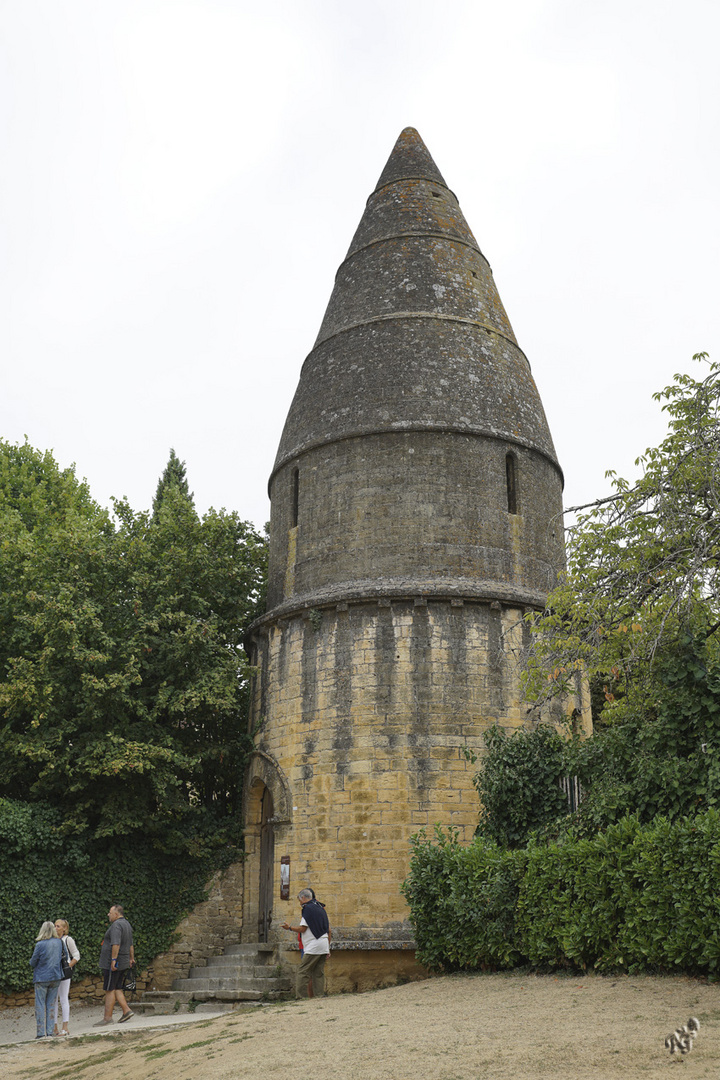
(180, 181)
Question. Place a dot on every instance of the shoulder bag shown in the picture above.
(65, 960)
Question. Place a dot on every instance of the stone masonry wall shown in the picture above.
(348, 972)
(87, 990)
(424, 511)
(206, 931)
(367, 710)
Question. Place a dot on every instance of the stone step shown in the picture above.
(234, 971)
(222, 993)
(165, 1008)
(159, 997)
(263, 960)
(252, 949)
(172, 1002)
(240, 996)
(142, 1008)
(243, 974)
(259, 986)
(215, 1005)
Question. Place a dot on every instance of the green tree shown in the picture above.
(195, 585)
(33, 490)
(173, 479)
(122, 677)
(643, 563)
(661, 759)
(519, 783)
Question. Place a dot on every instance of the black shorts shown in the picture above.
(113, 980)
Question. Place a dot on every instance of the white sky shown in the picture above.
(180, 180)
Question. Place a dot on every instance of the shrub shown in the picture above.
(632, 897)
(462, 901)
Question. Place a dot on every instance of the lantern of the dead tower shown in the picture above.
(416, 514)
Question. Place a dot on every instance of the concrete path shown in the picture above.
(18, 1025)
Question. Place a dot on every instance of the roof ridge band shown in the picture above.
(402, 179)
(409, 235)
(418, 315)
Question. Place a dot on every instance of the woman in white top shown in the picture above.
(62, 930)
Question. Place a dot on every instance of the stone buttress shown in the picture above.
(416, 515)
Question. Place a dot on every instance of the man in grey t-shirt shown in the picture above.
(117, 953)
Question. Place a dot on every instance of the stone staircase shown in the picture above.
(243, 975)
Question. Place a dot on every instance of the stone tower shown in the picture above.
(416, 515)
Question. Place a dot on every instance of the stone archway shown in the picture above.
(266, 806)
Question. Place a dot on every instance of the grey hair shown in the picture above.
(305, 894)
(47, 931)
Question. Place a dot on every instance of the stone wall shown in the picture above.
(206, 931)
(87, 990)
(367, 712)
(351, 972)
(415, 511)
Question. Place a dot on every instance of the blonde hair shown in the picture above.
(63, 922)
(47, 931)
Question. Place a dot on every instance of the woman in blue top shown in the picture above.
(47, 975)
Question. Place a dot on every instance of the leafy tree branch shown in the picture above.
(644, 562)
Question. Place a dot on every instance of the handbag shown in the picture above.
(65, 960)
(131, 979)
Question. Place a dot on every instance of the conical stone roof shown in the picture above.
(415, 336)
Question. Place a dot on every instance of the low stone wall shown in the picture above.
(354, 971)
(209, 928)
(86, 990)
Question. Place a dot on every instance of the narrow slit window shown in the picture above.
(511, 482)
(295, 496)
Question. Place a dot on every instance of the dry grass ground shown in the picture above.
(524, 1027)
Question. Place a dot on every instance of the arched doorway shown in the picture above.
(267, 857)
(267, 811)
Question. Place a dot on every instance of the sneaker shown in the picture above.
(126, 1016)
(102, 1023)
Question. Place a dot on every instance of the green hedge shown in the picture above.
(634, 897)
(45, 876)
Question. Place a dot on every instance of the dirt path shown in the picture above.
(455, 1028)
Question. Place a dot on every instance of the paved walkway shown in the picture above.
(18, 1025)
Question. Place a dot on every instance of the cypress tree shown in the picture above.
(173, 478)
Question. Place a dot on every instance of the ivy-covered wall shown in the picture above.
(44, 877)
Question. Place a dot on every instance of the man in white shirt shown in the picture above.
(315, 929)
